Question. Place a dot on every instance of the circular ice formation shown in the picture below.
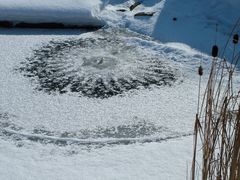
(100, 65)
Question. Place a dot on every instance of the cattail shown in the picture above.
(215, 51)
(235, 38)
(200, 71)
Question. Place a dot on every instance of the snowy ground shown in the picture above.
(148, 161)
(53, 128)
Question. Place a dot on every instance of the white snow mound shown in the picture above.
(70, 12)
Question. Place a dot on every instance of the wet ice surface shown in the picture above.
(100, 66)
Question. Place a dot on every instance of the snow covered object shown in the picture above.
(67, 12)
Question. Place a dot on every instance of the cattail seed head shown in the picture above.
(215, 51)
(235, 38)
(200, 71)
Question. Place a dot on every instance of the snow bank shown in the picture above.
(196, 22)
(69, 12)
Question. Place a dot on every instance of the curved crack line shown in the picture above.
(74, 141)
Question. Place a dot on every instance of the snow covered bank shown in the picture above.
(196, 23)
(191, 22)
(69, 12)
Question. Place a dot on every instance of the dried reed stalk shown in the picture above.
(217, 124)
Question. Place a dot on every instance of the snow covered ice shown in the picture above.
(113, 103)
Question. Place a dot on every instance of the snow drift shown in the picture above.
(67, 12)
